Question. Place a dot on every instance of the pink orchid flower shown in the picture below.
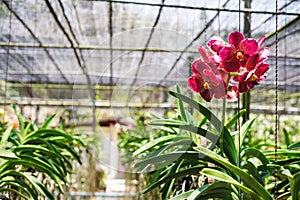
(236, 53)
(256, 72)
(205, 79)
(232, 93)
(230, 68)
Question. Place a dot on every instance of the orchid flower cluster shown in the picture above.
(229, 68)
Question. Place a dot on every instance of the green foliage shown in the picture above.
(182, 168)
(34, 157)
(141, 137)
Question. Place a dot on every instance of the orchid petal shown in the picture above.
(232, 66)
(207, 95)
(215, 44)
(248, 46)
(261, 40)
(262, 69)
(235, 38)
(252, 62)
(211, 77)
(220, 90)
(232, 94)
(242, 83)
(264, 53)
(203, 54)
(227, 53)
(195, 82)
(198, 66)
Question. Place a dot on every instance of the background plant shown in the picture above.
(36, 160)
(131, 139)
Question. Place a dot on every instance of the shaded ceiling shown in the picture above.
(134, 44)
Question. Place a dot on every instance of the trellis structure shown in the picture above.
(107, 53)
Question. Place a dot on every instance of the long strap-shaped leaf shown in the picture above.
(221, 176)
(189, 171)
(230, 149)
(251, 182)
(7, 154)
(183, 126)
(214, 190)
(153, 143)
(166, 159)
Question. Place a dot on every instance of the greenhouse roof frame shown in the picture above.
(99, 54)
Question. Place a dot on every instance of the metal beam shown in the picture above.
(201, 8)
(106, 104)
(102, 48)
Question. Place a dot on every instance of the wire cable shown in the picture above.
(7, 62)
(276, 101)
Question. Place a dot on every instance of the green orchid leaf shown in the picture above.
(39, 186)
(294, 181)
(180, 106)
(214, 190)
(296, 189)
(246, 178)
(252, 152)
(14, 191)
(5, 136)
(166, 159)
(228, 179)
(182, 173)
(286, 137)
(20, 119)
(246, 127)
(7, 154)
(48, 121)
(182, 126)
(183, 195)
(295, 145)
(233, 120)
(167, 188)
(230, 149)
(282, 152)
(153, 143)
(253, 171)
(17, 182)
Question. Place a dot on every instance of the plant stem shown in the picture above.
(223, 118)
(222, 125)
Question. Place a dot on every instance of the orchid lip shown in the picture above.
(239, 55)
(206, 86)
(254, 77)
